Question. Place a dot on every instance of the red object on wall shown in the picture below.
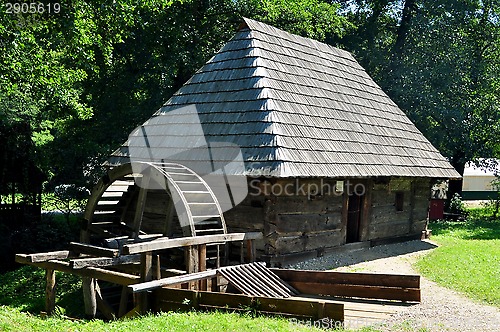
(436, 209)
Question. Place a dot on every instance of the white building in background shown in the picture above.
(478, 181)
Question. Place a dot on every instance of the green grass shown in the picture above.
(12, 319)
(468, 258)
(22, 299)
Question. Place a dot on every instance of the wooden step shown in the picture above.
(206, 217)
(215, 230)
(206, 223)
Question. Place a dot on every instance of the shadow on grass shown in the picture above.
(24, 288)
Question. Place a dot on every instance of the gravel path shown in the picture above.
(441, 309)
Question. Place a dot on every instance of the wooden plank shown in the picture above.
(174, 299)
(89, 249)
(50, 291)
(362, 291)
(333, 277)
(166, 243)
(146, 286)
(92, 272)
(275, 277)
(225, 299)
(45, 256)
(80, 263)
(239, 283)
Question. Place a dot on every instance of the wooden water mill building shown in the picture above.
(329, 158)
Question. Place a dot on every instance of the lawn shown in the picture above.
(467, 259)
(22, 299)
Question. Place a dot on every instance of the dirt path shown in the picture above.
(441, 309)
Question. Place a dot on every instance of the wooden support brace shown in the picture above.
(103, 305)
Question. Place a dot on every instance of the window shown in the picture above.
(400, 200)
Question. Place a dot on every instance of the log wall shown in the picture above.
(310, 215)
(386, 221)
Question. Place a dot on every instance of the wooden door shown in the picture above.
(354, 212)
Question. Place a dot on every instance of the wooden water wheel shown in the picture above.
(171, 200)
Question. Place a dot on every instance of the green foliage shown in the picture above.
(54, 232)
(315, 19)
(468, 258)
(440, 64)
(24, 289)
(457, 205)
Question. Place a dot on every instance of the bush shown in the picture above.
(457, 206)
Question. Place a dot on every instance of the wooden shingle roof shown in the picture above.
(299, 108)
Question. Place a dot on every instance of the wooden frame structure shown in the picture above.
(135, 263)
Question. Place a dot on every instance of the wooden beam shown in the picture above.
(80, 263)
(166, 243)
(360, 291)
(92, 272)
(333, 277)
(89, 249)
(172, 299)
(45, 256)
(50, 291)
(146, 286)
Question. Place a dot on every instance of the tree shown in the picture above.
(440, 63)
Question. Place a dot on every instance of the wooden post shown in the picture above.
(122, 310)
(192, 263)
(345, 214)
(89, 297)
(366, 213)
(146, 275)
(202, 264)
(413, 190)
(242, 255)
(50, 291)
(251, 251)
(157, 265)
